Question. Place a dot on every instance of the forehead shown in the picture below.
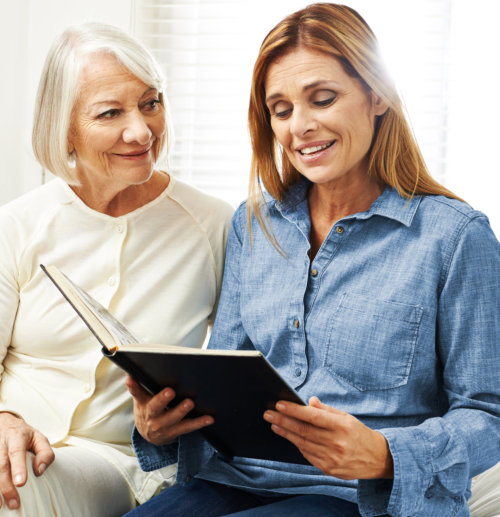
(302, 66)
(102, 74)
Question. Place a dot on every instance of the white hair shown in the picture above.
(58, 89)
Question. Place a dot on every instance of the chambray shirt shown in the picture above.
(396, 321)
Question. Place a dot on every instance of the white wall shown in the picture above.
(27, 29)
(473, 167)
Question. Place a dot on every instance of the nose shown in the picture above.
(136, 129)
(302, 121)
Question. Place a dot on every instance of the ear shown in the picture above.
(71, 147)
(379, 105)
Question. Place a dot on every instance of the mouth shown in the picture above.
(309, 150)
(135, 154)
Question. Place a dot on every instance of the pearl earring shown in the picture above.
(71, 160)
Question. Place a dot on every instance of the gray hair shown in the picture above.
(58, 89)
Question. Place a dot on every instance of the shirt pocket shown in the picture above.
(372, 342)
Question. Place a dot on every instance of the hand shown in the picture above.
(333, 441)
(155, 423)
(17, 437)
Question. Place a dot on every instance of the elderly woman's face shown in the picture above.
(323, 118)
(116, 125)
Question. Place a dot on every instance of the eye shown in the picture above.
(282, 109)
(112, 113)
(151, 105)
(323, 98)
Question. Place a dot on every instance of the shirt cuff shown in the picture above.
(428, 475)
(150, 456)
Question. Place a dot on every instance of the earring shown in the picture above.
(71, 160)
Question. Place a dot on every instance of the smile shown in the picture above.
(316, 148)
(134, 154)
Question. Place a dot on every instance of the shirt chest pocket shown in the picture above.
(372, 342)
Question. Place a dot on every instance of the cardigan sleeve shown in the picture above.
(9, 289)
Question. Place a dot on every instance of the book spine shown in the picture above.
(121, 360)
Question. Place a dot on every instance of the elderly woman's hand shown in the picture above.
(16, 438)
(155, 423)
(333, 441)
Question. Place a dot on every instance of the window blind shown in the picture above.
(208, 48)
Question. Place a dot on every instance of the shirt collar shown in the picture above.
(389, 204)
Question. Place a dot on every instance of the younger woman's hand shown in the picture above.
(157, 424)
(336, 442)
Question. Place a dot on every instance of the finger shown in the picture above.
(157, 405)
(137, 391)
(171, 424)
(44, 455)
(315, 402)
(319, 417)
(188, 425)
(17, 459)
(7, 488)
(288, 426)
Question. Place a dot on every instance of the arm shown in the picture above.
(16, 436)
(431, 463)
(163, 431)
(434, 461)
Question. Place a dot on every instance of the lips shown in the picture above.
(135, 154)
(313, 148)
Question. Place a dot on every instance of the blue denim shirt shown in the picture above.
(396, 321)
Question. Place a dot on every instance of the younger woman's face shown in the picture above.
(323, 117)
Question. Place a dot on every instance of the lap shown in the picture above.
(298, 506)
(214, 500)
(485, 499)
(78, 483)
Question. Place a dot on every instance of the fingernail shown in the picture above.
(13, 504)
(41, 468)
(208, 421)
(280, 406)
(18, 479)
(268, 416)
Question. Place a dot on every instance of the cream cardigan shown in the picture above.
(158, 269)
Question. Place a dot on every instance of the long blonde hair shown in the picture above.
(339, 31)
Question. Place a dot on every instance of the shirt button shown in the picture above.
(339, 229)
(119, 228)
(298, 371)
(296, 324)
(314, 272)
(111, 281)
(188, 479)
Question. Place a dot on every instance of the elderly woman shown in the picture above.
(147, 246)
(371, 288)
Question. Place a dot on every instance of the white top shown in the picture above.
(158, 269)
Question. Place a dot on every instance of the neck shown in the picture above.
(115, 201)
(333, 202)
(328, 203)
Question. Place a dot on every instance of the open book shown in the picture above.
(234, 386)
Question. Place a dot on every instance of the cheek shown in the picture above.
(159, 129)
(280, 132)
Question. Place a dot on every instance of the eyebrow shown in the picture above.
(114, 101)
(306, 87)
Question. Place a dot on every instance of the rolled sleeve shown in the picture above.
(153, 457)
